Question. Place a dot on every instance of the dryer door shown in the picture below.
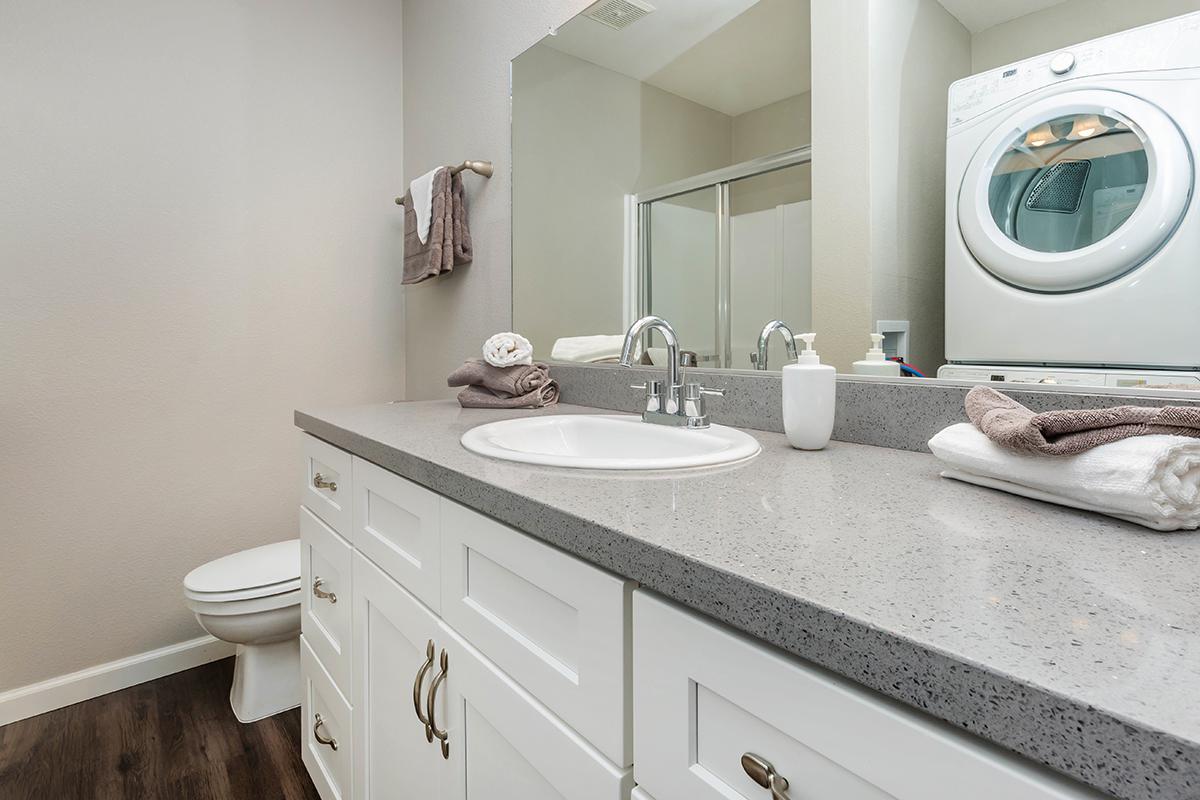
(1075, 190)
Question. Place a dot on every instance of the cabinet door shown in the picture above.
(555, 624)
(505, 745)
(394, 759)
(706, 697)
(397, 525)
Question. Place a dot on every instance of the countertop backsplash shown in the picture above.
(902, 414)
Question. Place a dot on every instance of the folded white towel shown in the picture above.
(506, 349)
(588, 349)
(422, 198)
(1151, 480)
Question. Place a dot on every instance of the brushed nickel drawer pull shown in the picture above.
(321, 483)
(331, 742)
(763, 773)
(433, 689)
(421, 673)
(321, 593)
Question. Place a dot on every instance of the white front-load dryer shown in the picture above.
(1072, 231)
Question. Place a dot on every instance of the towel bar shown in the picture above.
(483, 168)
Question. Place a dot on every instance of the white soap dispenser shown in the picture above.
(808, 396)
(876, 361)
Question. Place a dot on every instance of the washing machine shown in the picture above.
(1072, 229)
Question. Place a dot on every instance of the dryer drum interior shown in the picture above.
(1068, 183)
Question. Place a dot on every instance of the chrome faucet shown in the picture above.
(680, 406)
(759, 359)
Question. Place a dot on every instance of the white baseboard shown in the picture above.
(65, 690)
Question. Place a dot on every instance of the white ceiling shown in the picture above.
(729, 55)
(979, 15)
(757, 58)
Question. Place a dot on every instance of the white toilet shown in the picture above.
(252, 599)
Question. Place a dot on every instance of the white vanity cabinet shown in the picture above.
(461, 659)
(465, 660)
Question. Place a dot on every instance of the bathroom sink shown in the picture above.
(608, 442)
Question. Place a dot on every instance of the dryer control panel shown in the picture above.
(1170, 44)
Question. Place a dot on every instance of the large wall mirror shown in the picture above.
(996, 191)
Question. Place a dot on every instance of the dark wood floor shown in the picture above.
(174, 738)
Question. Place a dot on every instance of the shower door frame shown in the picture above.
(638, 283)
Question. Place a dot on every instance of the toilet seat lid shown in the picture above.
(272, 565)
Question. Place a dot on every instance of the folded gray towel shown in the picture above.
(449, 242)
(518, 379)
(482, 397)
(1063, 433)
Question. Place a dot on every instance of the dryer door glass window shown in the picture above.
(1069, 182)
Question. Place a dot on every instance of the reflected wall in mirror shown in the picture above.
(989, 192)
(643, 177)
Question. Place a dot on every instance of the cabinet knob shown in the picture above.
(763, 773)
(320, 482)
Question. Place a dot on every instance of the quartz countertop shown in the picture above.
(1068, 637)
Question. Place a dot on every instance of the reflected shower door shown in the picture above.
(680, 280)
(770, 269)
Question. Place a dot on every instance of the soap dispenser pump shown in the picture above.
(808, 398)
(876, 361)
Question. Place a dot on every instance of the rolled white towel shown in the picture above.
(588, 349)
(1151, 480)
(507, 349)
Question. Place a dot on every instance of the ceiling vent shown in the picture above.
(618, 14)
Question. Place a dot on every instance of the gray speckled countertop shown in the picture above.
(1070, 638)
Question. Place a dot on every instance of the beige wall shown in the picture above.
(1068, 23)
(583, 138)
(196, 236)
(917, 50)
(879, 138)
(779, 126)
(456, 106)
(841, 179)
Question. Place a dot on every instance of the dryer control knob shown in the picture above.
(1062, 63)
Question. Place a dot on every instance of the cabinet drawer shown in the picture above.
(329, 767)
(327, 491)
(557, 625)
(503, 743)
(326, 608)
(396, 525)
(705, 696)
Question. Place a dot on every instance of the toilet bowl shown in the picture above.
(252, 599)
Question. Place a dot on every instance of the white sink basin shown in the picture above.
(608, 442)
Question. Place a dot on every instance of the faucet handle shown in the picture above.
(694, 391)
(653, 395)
(693, 404)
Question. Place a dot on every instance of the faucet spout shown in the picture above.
(675, 406)
(634, 335)
(789, 341)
